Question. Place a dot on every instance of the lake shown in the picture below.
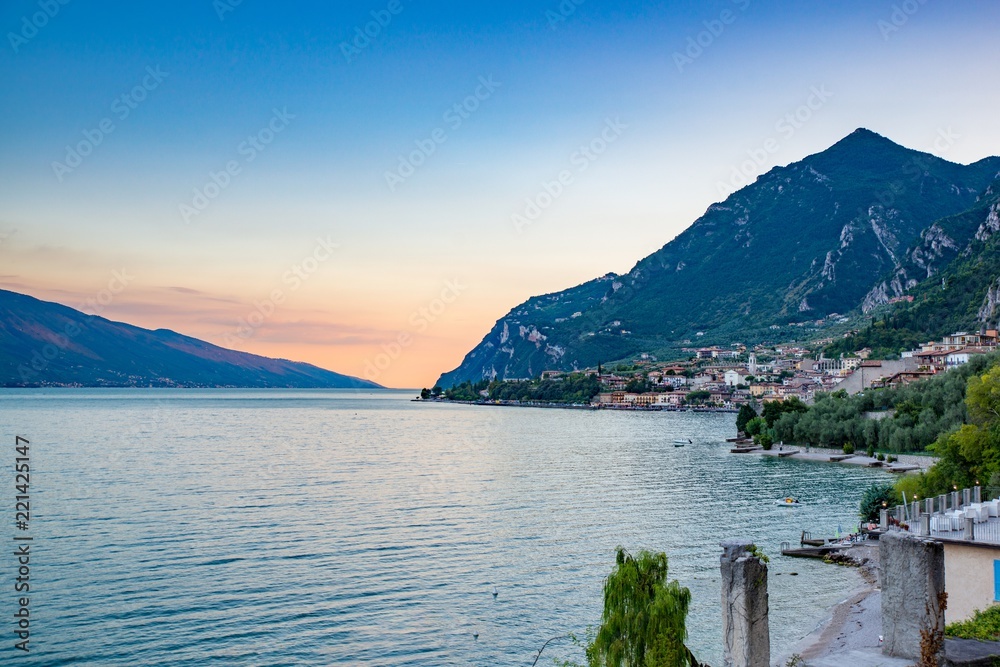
(247, 527)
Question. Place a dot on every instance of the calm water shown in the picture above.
(335, 528)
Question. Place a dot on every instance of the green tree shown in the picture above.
(746, 413)
(643, 624)
(765, 439)
(697, 397)
(971, 454)
(637, 385)
(437, 390)
(425, 393)
(875, 498)
(756, 426)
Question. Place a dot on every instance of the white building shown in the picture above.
(733, 378)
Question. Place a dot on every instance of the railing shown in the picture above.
(959, 515)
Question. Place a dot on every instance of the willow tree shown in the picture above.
(643, 624)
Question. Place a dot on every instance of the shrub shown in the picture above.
(871, 451)
(765, 439)
(891, 459)
(848, 448)
(875, 498)
(756, 426)
(984, 626)
(880, 456)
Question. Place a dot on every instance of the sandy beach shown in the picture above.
(850, 634)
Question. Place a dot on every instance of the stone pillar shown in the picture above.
(966, 497)
(900, 512)
(911, 570)
(977, 494)
(969, 530)
(745, 632)
(954, 500)
(928, 506)
(915, 511)
(883, 520)
(925, 525)
(942, 503)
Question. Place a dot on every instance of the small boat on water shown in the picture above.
(788, 501)
(680, 442)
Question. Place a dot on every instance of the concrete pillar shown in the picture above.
(977, 494)
(928, 506)
(900, 512)
(745, 632)
(954, 500)
(915, 511)
(966, 497)
(942, 503)
(925, 525)
(911, 570)
(883, 520)
(970, 530)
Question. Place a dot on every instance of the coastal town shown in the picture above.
(723, 378)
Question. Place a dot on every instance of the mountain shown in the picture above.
(46, 344)
(802, 242)
(949, 280)
(939, 245)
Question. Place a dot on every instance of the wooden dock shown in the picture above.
(809, 551)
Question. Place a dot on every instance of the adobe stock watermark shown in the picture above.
(562, 12)
(31, 25)
(453, 118)
(95, 305)
(294, 278)
(785, 127)
(248, 150)
(223, 7)
(900, 16)
(697, 44)
(579, 161)
(365, 35)
(420, 320)
(121, 107)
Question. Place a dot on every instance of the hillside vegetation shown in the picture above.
(922, 413)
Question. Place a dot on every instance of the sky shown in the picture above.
(370, 186)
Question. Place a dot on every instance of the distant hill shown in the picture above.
(47, 344)
(815, 238)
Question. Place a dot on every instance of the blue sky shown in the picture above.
(688, 115)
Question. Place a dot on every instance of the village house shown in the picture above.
(961, 357)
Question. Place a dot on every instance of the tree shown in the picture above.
(971, 454)
(643, 624)
(756, 426)
(696, 397)
(436, 391)
(637, 385)
(875, 498)
(746, 413)
(764, 439)
(425, 393)
(774, 409)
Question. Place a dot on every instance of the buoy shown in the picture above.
(495, 591)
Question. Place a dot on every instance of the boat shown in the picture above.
(787, 501)
(680, 442)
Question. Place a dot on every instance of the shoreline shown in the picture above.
(850, 632)
(577, 406)
(905, 463)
